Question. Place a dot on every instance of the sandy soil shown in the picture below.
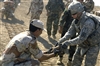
(9, 28)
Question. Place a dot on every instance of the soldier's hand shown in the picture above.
(56, 52)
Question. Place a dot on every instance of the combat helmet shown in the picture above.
(76, 7)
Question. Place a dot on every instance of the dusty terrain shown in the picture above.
(9, 28)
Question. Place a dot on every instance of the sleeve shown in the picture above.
(63, 18)
(22, 43)
(87, 29)
(69, 34)
(34, 50)
(48, 5)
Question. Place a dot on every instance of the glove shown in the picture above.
(56, 52)
(64, 46)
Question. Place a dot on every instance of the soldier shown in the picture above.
(86, 39)
(21, 48)
(89, 5)
(64, 25)
(7, 9)
(54, 9)
(36, 9)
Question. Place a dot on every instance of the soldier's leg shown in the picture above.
(2, 12)
(32, 17)
(71, 53)
(91, 56)
(37, 16)
(49, 25)
(55, 26)
(77, 58)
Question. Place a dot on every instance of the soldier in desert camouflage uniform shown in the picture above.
(86, 40)
(7, 9)
(54, 9)
(23, 46)
(36, 8)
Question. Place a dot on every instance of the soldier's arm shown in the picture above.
(38, 54)
(29, 8)
(87, 29)
(62, 5)
(69, 34)
(47, 7)
(63, 20)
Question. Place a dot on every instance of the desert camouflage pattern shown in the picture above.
(36, 9)
(23, 42)
(7, 9)
(84, 27)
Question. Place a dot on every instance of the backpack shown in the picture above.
(94, 37)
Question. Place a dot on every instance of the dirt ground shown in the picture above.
(9, 28)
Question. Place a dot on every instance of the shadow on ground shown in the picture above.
(45, 42)
(13, 21)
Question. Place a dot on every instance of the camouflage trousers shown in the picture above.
(52, 21)
(35, 16)
(90, 58)
(11, 60)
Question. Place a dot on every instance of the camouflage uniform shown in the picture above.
(84, 27)
(8, 9)
(23, 43)
(54, 9)
(36, 9)
(89, 5)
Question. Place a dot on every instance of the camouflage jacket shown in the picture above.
(55, 6)
(84, 27)
(24, 43)
(36, 6)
